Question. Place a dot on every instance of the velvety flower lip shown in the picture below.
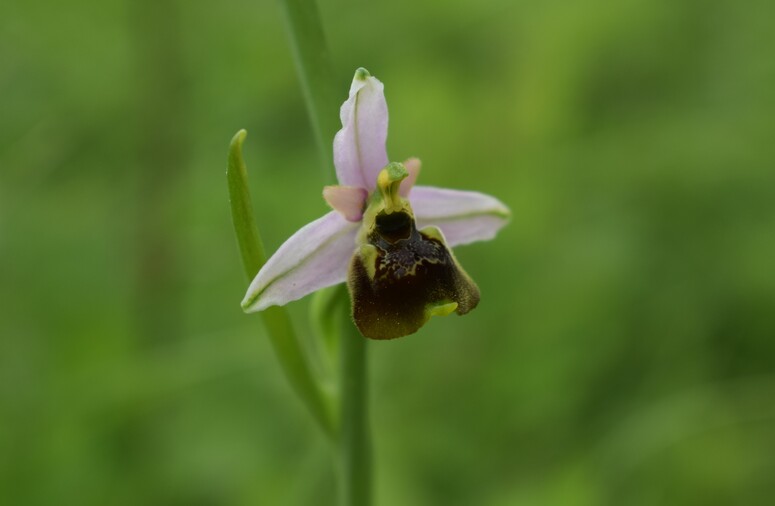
(374, 200)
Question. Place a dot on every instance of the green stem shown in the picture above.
(278, 325)
(308, 42)
(355, 436)
(315, 72)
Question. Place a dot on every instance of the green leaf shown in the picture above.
(248, 238)
(288, 349)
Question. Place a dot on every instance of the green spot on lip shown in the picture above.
(442, 309)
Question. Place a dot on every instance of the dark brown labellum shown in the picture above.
(404, 276)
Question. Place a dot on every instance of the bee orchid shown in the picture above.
(387, 238)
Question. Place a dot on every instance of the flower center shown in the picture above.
(393, 227)
(399, 276)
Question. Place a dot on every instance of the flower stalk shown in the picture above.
(317, 80)
(313, 64)
(355, 437)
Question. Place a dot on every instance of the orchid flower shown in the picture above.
(390, 240)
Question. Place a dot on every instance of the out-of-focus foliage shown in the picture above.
(624, 348)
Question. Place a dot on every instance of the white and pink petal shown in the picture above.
(413, 168)
(359, 147)
(349, 201)
(315, 257)
(463, 216)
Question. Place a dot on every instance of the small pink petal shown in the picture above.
(463, 216)
(349, 201)
(413, 167)
(315, 257)
(359, 147)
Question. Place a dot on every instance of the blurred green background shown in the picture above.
(624, 349)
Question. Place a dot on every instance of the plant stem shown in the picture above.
(315, 72)
(310, 52)
(286, 344)
(355, 436)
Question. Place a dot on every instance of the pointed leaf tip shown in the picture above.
(238, 138)
(236, 161)
(248, 238)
